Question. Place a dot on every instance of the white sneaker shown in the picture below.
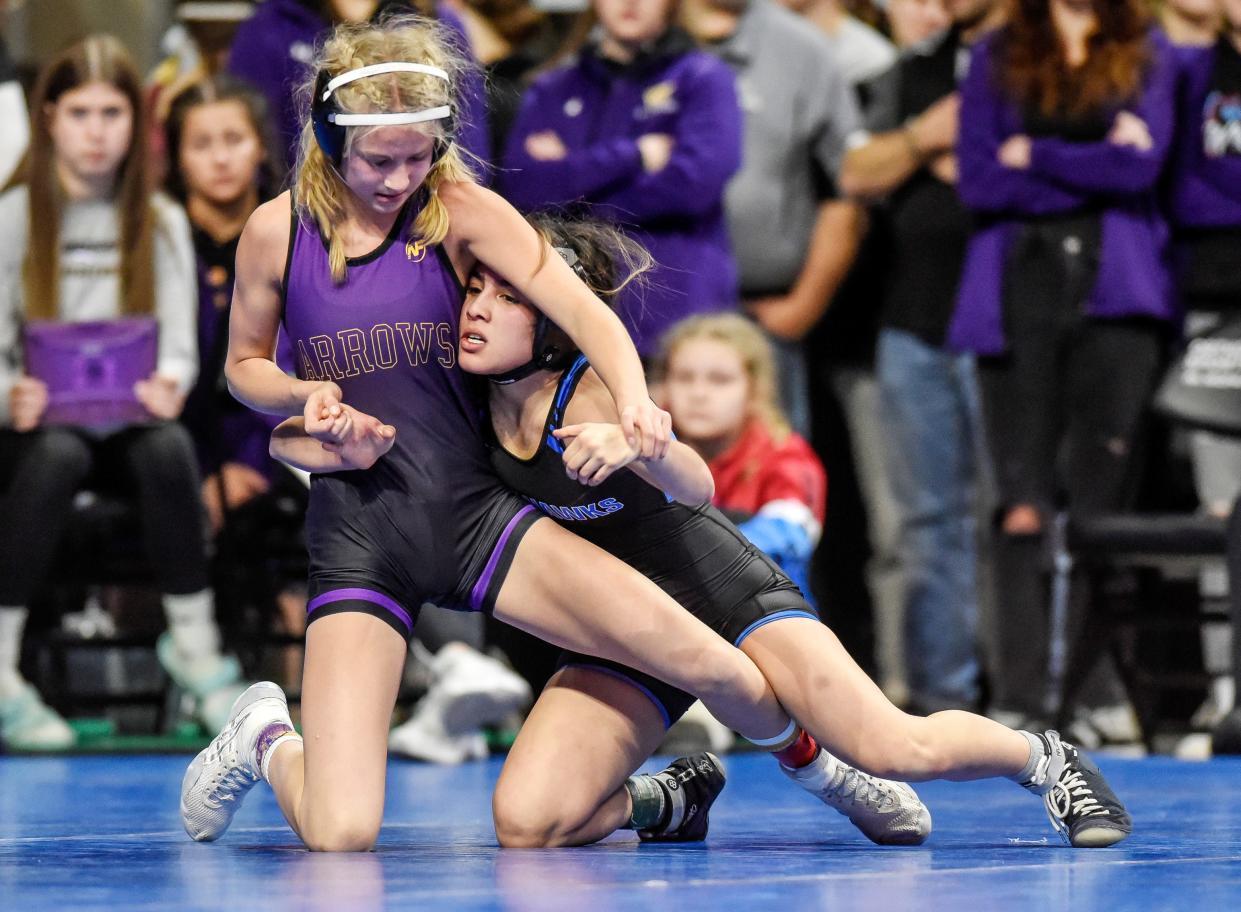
(201, 675)
(422, 739)
(223, 772)
(472, 690)
(212, 680)
(887, 812)
(1118, 723)
(698, 730)
(1220, 699)
(27, 723)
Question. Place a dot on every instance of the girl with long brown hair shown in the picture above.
(1066, 121)
(91, 242)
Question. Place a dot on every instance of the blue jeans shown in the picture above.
(931, 420)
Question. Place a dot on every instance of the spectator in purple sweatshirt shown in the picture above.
(1204, 204)
(1205, 210)
(1066, 121)
(274, 46)
(645, 130)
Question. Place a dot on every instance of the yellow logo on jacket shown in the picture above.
(660, 98)
(415, 250)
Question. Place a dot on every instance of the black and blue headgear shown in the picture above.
(552, 348)
(329, 121)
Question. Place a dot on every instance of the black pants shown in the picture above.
(1063, 410)
(45, 468)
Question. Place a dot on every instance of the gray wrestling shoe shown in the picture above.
(887, 812)
(225, 771)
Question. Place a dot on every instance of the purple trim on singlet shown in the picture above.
(621, 676)
(778, 616)
(479, 593)
(361, 595)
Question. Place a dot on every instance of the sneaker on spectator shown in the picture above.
(1118, 723)
(1220, 699)
(423, 738)
(27, 723)
(214, 680)
(468, 690)
(1112, 725)
(697, 731)
(472, 690)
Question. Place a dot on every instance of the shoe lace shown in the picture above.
(229, 786)
(1072, 797)
(237, 779)
(856, 787)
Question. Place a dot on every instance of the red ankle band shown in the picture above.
(800, 753)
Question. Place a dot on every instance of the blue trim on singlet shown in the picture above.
(778, 616)
(638, 685)
(563, 392)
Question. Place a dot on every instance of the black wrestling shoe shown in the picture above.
(692, 784)
(1082, 806)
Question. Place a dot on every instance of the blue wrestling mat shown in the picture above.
(103, 833)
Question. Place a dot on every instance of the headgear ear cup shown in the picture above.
(551, 348)
(331, 138)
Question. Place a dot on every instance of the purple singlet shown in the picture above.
(429, 521)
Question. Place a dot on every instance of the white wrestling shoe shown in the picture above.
(223, 772)
(887, 812)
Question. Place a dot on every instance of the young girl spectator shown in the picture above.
(720, 385)
(89, 241)
(1066, 119)
(645, 130)
(223, 168)
(910, 22)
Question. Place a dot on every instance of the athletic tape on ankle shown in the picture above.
(780, 741)
(270, 751)
(648, 800)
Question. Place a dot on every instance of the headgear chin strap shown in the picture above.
(552, 353)
(329, 122)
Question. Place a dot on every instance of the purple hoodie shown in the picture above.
(1133, 278)
(1205, 187)
(273, 50)
(599, 109)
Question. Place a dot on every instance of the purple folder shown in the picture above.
(90, 368)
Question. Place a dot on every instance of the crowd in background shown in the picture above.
(945, 248)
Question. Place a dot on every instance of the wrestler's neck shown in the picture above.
(523, 404)
(363, 223)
